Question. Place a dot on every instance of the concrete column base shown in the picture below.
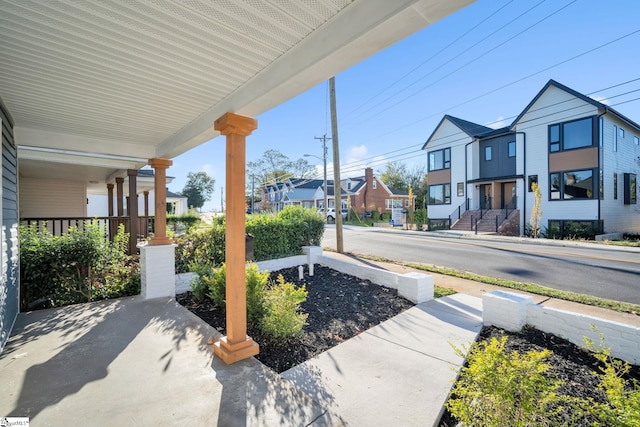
(157, 271)
(232, 353)
(416, 287)
(312, 253)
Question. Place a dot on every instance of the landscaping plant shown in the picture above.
(79, 266)
(498, 389)
(273, 308)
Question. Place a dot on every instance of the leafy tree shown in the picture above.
(399, 177)
(198, 189)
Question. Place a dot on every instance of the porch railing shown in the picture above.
(59, 226)
(460, 210)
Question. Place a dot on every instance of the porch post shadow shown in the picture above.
(236, 345)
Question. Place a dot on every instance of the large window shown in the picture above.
(440, 159)
(440, 194)
(630, 189)
(570, 135)
(571, 185)
(461, 189)
(512, 149)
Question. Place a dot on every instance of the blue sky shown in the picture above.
(483, 64)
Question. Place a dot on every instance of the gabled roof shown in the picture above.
(172, 195)
(578, 95)
(471, 129)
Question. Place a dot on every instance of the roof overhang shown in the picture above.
(122, 82)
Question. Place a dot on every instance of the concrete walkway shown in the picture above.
(136, 362)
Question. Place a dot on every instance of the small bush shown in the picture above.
(623, 397)
(282, 319)
(500, 389)
(216, 283)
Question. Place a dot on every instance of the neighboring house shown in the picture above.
(363, 194)
(176, 204)
(369, 194)
(584, 155)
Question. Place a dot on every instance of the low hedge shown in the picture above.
(274, 236)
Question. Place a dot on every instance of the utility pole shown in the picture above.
(336, 165)
(324, 158)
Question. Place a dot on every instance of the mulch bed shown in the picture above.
(341, 306)
(571, 364)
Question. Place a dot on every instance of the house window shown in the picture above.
(570, 135)
(392, 203)
(374, 184)
(630, 189)
(636, 140)
(615, 139)
(621, 132)
(512, 149)
(461, 189)
(440, 194)
(532, 179)
(440, 159)
(349, 185)
(615, 186)
(487, 153)
(571, 185)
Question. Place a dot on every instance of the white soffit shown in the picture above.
(147, 78)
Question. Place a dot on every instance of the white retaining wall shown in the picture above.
(512, 311)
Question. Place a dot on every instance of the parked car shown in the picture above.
(331, 214)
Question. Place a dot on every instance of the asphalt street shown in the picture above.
(605, 271)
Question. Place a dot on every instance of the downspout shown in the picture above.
(524, 174)
(600, 166)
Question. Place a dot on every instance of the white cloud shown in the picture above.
(209, 170)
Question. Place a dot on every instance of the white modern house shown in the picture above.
(584, 156)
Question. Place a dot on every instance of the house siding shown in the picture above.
(617, 216)
(553, 106)
(40, 198)
(448, 135)
(10, 279)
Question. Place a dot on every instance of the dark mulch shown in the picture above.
(340, 307)
(572, 364)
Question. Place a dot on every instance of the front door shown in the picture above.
(485, 196)
(508, 194)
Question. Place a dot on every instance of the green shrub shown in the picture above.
(81, 265)
(188, 220)
(500, 389)
(274, 236)
(216, 283)
(623, 396)
(282, 319)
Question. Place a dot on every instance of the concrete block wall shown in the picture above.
(416, 287)
(623, 340)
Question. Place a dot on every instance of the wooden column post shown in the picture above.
(110, 198)
(146, 204)
(120, 196)
(160, 182)
(236, 345)
(132, 212)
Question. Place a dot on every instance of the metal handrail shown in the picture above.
(459, 211)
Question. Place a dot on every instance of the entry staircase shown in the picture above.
(489, 221)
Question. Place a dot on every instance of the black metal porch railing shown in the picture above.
(59, 226)
(460, 210)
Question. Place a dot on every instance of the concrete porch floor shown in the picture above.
(136, 362)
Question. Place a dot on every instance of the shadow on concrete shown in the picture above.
(268, 400)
